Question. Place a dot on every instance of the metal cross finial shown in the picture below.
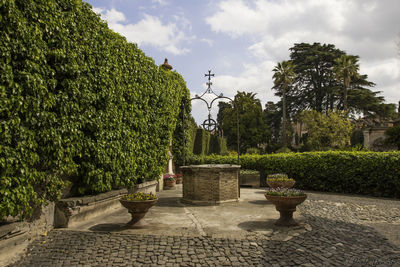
(209, 75)
(209, 83)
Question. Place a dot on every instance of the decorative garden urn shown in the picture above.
(137, 208)
(286, 205)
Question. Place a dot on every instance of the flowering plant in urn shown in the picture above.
(280, 180)
(169, 180)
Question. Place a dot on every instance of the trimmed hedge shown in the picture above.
(201, 142)
(77, 102)
(369, 173)
(206, 143)
(217, 145)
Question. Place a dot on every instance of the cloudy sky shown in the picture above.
(241, 41)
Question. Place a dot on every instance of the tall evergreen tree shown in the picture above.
(346, 70)
(284, 77)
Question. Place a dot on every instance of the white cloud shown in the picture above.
(368, 28)
(160, 2)
(207, 41)
(150, 30)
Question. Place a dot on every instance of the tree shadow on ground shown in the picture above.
(260, 202)
(258, 225)
(169, 202)
(119, 227)
(108, 227)
(334, 243)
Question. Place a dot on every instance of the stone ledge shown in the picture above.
(76, 210)
(211, 167)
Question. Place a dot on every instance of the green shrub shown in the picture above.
(357, 137)
(217, 145)
(201, 143)
(249, 172)
(77, 102)
(252, 151)
(393, 136)
(354, 172)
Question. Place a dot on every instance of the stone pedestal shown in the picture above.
(210, 184)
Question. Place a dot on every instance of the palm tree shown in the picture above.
(284, 77)
(345, 70)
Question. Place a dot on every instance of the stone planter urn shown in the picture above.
(178, 179)
(286, 205)
(137, 209)
(169, 183)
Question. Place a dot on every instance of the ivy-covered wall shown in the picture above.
(77, 102)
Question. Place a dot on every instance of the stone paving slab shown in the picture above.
(252, 216)
(219, 236)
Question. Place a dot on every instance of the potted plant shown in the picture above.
(178, 178)
(169, 181)
(285, 201)
(138, 204)
(280, 180)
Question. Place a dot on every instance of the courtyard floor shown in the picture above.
(334, 230)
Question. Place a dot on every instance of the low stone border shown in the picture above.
(76, 210)
(249, 180)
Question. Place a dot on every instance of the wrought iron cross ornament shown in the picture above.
(209, 83)
(210, 124)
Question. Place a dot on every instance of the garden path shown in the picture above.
(334, 230)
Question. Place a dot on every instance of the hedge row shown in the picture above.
(369, 173)
(77, 102)
(207, 144)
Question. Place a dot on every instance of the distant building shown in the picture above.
(374, 132)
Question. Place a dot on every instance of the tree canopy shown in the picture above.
(252, 129)
(332, 130)
(327, 79)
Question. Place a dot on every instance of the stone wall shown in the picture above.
(16, 235)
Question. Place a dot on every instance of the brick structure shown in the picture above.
(210, 184)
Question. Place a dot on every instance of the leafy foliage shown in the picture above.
(368, 173)
(326, 131)
(357, 138)
(327, 79)
(252, 129)
(78, 102)
(393, 136)
(140, 196)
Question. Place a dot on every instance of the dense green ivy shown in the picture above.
(369, 173)
(77, 102)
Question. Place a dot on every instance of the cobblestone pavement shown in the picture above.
(338, 232)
